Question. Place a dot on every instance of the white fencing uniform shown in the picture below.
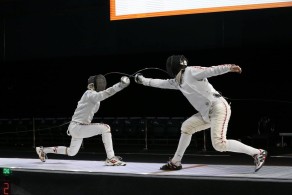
(213, 110)
(81, 126)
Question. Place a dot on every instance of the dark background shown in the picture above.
(48, 49)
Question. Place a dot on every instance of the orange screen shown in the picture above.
(131, 9)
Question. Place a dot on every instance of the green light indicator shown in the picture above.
(7, 171)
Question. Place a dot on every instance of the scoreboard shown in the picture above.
(5, 188)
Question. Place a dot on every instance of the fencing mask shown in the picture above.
(99, 82)
(175, 63)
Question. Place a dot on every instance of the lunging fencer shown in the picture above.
(81, 127)
(213, 110)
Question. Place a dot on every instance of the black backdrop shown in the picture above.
(50, 48)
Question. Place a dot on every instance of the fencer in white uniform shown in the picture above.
(81, 127)
(213, 110)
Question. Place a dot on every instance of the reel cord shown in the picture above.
(36, 129)
(121, 73)
(133, 75)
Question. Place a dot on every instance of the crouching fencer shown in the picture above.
(213, 110)
(81, 127)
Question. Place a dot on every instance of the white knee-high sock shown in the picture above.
(236, 146)
(108, 144)
(184, 142)
(56, 150)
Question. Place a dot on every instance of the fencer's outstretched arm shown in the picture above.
(124, 82)
(158, 83)
(199, 72)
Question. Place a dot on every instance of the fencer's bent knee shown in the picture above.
(72, 151)
(187, 128)
(106, 129)
(219, 145)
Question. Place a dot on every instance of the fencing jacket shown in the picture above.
(89, 103)
(194, 86)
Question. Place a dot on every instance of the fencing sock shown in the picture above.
(236, 146)
(56, 150)
(108, 144)
(184, 142)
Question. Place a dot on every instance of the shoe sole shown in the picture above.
(170, 169)
(115, 164)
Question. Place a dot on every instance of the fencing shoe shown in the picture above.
(171, 166)
(115, 161)
(41, 153)
(259, 159)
